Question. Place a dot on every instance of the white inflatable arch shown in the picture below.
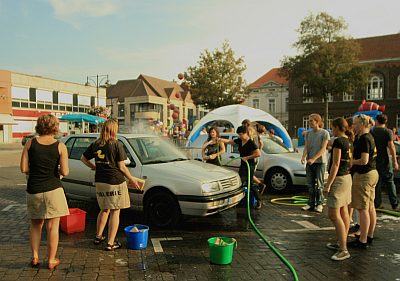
(235, 114)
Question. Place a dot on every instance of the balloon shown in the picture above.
(176, 110)
(183, 125)
(181, 76)
(175, 115)
(172, 106)
(177, 95)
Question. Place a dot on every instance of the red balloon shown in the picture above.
(175, 115)
(172, 106)
(176, 110)
(177, 95)
(181, 76)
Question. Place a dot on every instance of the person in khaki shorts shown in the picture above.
(111, 189)
(364, 181)
(44, 160)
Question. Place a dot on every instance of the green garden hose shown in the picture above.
(266, 241)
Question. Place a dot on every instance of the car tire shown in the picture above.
(162, 209)
(278, 180)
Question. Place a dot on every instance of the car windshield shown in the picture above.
(153, 150)
(271, 146)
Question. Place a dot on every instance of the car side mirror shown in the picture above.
(130, 163)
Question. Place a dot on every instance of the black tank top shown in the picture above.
(43, 167)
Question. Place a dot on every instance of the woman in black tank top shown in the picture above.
(44, 160)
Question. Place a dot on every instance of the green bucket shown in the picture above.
(221, 254)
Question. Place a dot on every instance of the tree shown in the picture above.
(328, 61)
(217, 79)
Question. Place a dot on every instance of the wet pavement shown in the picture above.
(184, 255)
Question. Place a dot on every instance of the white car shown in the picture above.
(278, 166)
(174, 184)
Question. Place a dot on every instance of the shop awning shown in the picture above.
(7, 119)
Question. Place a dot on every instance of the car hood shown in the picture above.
(192, 169)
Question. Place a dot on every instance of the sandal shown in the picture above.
(53, 265)
(35, 263)
(97, 240)
(114, 246)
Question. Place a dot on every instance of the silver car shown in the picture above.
(174, 186)
(278, 166)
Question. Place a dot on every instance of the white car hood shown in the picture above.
(192, 169)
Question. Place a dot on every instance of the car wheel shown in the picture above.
(162, 209)
(278, 180)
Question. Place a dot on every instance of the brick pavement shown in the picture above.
(188, 259)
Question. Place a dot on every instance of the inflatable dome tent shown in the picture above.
(235, 114)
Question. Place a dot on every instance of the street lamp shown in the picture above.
(97, 82)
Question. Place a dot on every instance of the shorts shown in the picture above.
(112, 196)
(340, 194)
(363, 190)
(47, 205)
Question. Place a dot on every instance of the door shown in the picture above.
(80, 181)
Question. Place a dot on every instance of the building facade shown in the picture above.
(152, 99)
(26, 97)
(270, 93)
(383, 88)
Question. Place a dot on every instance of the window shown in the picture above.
(375, 88)
(271, 105)
(330, 98)
(398, 87)
(306, 93)
(348, 97)
(397, 120)
(121, 110)
(305, 121)
(79, 147)
(256, 103)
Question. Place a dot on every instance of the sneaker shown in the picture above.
(333, 246)
(341, 255)
(114, 246)
(354, 228)
(369, 239)
(262, 188)
(307, 208)
(357, 244)
(319, 209)
(97, 240)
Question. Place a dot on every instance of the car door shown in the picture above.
(231, 152)
(135, 168)
(80, 181)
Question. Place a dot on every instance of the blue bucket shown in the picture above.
(137, 240)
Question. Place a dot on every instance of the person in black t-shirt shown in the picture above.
(248, 152)
(338, 188)
(384, 141)
(111, 189)
(212, 148)
(364, 180)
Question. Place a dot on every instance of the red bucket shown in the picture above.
(74, 222)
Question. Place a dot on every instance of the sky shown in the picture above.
(71, 39)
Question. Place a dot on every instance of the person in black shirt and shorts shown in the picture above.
(248, 152)
(364, 180)
(111, 189)
(45, 160)
(338, 187)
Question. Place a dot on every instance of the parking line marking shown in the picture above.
(157, 243)
(11, 206)
(306, 224)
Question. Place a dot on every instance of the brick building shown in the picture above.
(383, 88)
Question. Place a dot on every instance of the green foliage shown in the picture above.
(217, 79)
(327, 61)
